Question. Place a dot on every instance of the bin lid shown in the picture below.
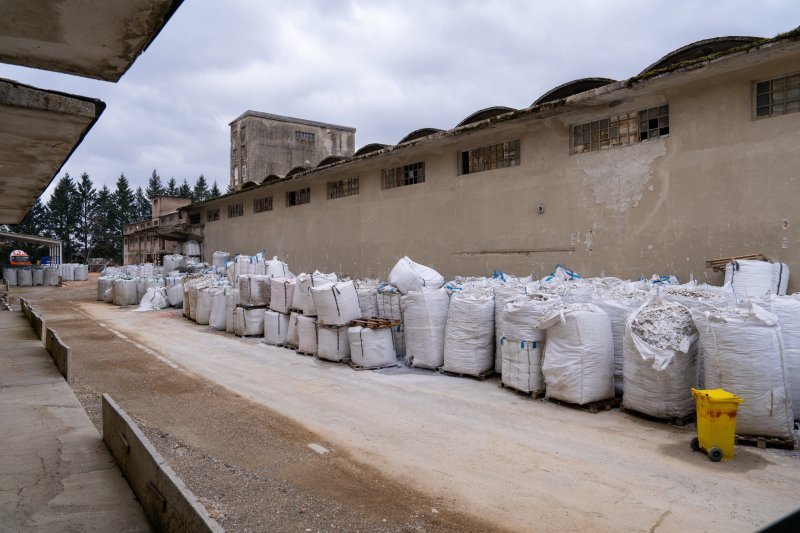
(717, 395)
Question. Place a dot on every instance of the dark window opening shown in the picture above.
(262, 204)
(491, 157)
(235, 210)
(778, 97)
(404, 175)
(299, 197)
(342, 188)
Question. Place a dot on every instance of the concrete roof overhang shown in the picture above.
(39, 130)
(93, 38)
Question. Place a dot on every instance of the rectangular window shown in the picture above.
(404, 175)
(777, 97)
(242, 134)
(342, 188)
(194, 218)
(212, 215)
(235, 210)
(262, 204)
(304, 136)
(299, 197)
(490, 157)
(619, 130)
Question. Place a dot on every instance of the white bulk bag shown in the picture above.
(10, 275)
(578, 364)
(125, 292)
(259, 290)
(503, 293)
(218, 319)
(68, 272)
(292, 337)
(469, 334)
(306, 334)
(276, 268)
(154, 299)
(410, 276)
(754, 279)
(248, 322)
(218, 259)
(108, 297)
(81, 273)
(743, 353)
(51, 276)
(141, 287)
(175, 295)
(38, 277)
(172, 262)
(425, 320)
(24, 277)
(276, 326)
(244, 289)
(281, 294)
(521, 317)
(787, 309)
(522, 365)
(660, 351)
(367, 297)
(336, 303)
(231, 301)
(304, 284)
(103, 284)
(371, 348)
(205, 298)
(193, 297)
(333, 343)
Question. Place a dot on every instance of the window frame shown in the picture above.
(408, 174)
(212, 215)
(614, 131)
(262, 204)
(236, 210)
(786, 84)
(296, 197)
(487, 158)
(343, 188)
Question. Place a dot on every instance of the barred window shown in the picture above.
(619, 130)
(778, 97)
(304, 136)
(491, 157)
(262, 204)
(342, 188)
(299, 197)
(404, 175)
(235, 210)
(212, 215)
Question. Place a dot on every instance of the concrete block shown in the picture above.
(38, 324)
(168, 504)
(25, 307)
(60, 352)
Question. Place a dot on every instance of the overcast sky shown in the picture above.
(384, 67)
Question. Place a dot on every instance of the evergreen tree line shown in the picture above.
(89, 221)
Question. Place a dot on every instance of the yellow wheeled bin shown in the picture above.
(716, 423)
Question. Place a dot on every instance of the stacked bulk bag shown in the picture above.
(367, 297)
(51, 276)
(371, 348)
(124, 291)
(248, 322)
(244, 289)
(10, 275)
(292, 338)
(218, 318)
(469, 334)
(410, 276)
(205, 298)
(276, 326)
(219, 260)
(154, 299)
(303, 290)
(333, 343)
(425, 319)
(103, 284)
(259, 290)
(175, 294)
(67, 271)
(578, 364)
(172, 262)
(38, 277)
(754, 279)
(787, 309)
(281, 294)
(306, 335)
(191, 247)
(231, 302)
(81, 273)
(503, 293)
(744, 355)
(275, 268)
(141, 287)
(24, 277)
(660, 350)
(336, 303)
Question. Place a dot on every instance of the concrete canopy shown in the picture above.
(93, 38)
(39, 129)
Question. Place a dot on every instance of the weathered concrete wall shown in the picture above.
(38, 324)
(721, 184)
(60, 352)
(168, 504)
(25, 307)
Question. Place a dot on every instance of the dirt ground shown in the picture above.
(251, 467)
(408, 451)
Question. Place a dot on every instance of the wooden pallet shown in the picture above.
(718, 265)
(247, 306)
(287, 346)
(535, 394)
(354, 366)
(376, 323)
(679, 421)
(307, 354)
(592, 407)
(786, 443)
(345, 361)
(480, 377)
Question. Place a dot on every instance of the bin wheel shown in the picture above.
(715, 454)
(695, 444)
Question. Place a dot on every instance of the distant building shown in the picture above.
(147, 241)
(266, 147)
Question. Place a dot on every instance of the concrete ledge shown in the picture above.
(38, 324)
(168, 504)
(25, 307)
(60, 352)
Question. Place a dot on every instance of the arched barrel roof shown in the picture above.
(700, 49)
(330, 160)
(368, 148)
(572, 87)
(297, 170)
(483, 114)
(416, 134)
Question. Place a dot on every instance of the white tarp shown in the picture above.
(276, 326)
(787, 310)
(469, 335)
(754, 279)
(522, 365)
(248, 322)
(281, 294)
(336, 303)
(333, 343)
(410, 276)
(425, 320)
(744, 355)
(578, 364)
(371, 348)
(306, 334)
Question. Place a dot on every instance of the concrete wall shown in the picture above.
(168, 504)
(38, 324)
(60, 352)
(721, 184)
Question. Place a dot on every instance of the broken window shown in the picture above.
(619, 130)
(235, 210)
(491, 157)
(212, 215)
(777, 97)
(304, 136)
(404, 175)
(299, 197)
(262, 204)
(342, 188)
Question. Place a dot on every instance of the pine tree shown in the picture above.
(62, 221)
(154, 186)
(34, 221)
(200, 193)
(185, 191)
(104, 233)
(123, 212)
(142, 205)
(214, 192)
(229, 189)
(172, 188)
(86, 203)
